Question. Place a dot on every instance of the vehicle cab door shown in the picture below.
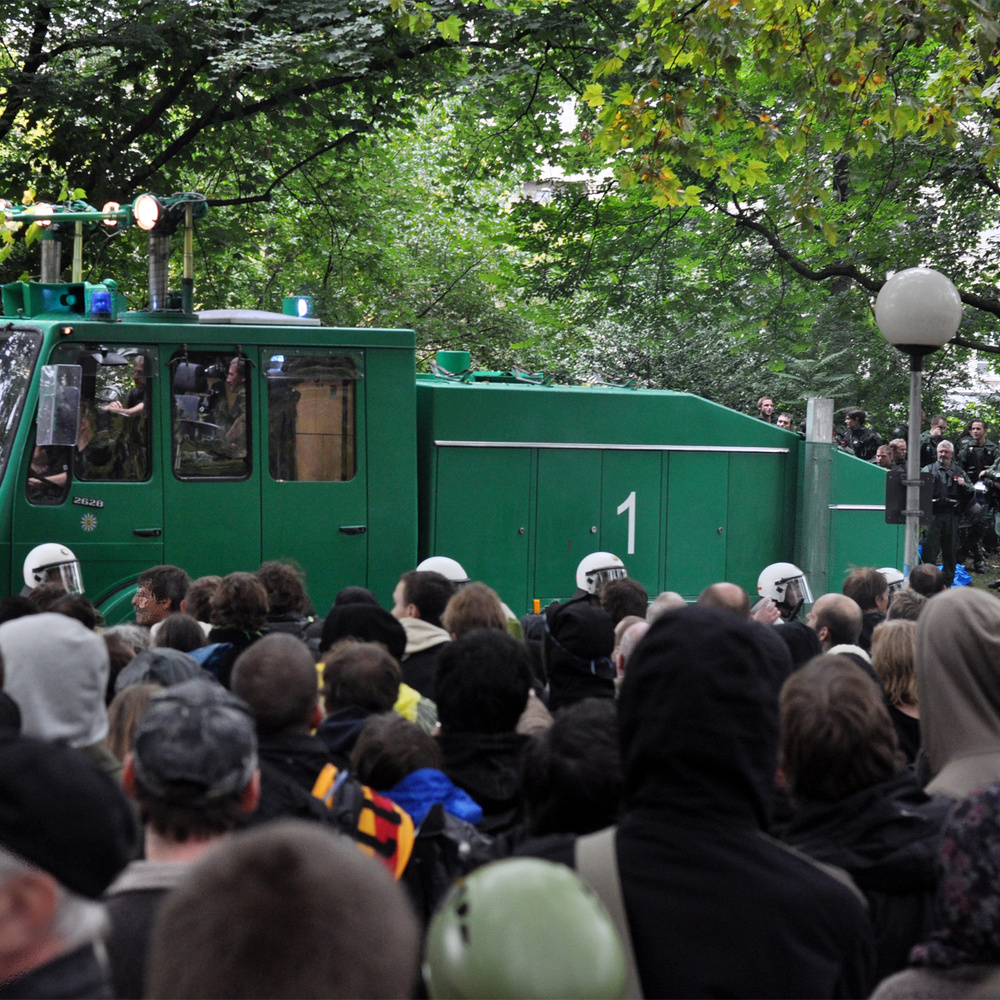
(211, 470)
(314, 492)
(102, 497)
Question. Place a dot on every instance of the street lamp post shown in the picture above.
(918, 311)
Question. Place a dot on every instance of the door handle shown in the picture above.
(353, 529)
(147, 532)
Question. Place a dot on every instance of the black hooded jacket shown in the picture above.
(489, 767)
(886, 838)
(715, 906)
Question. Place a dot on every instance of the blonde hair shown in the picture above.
(892, 658)
(474, 606)
(124, 714)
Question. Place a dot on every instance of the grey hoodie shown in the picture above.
(957, 668)
(56, 669)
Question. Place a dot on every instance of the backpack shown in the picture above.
(375, 823)
(213, 657)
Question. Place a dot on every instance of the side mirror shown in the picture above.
(59, 405)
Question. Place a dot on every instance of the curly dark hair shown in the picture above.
(240, 602)
(286, 592)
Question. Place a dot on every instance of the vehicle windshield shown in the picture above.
(18, 355)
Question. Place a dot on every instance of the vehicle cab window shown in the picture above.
(210, 415)
(311, 405)
(113, 437)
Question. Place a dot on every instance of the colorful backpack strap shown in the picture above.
(378, 826)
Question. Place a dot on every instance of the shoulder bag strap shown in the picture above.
(597, 864)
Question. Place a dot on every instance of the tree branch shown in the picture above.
(39, 31)
(254, 199)
(841, 270)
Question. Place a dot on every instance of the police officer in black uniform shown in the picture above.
(930, 439)
(977, 455)
(952, 494)
(863, 441)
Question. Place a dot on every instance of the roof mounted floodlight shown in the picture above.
(147, 211)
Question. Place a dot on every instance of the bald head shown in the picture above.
(837, 620)
(624, 624)
(629, 640)
(726, 597)
(666, 601)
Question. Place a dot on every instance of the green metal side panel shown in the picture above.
(392, 473)
(483, 516)
(568, 518)
(859, 535)
(630, 513)
(575, 414)
(757, 509)
(697, 491)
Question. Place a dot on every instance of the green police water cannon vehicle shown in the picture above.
(217, 439)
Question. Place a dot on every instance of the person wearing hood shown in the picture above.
(484, 679)
(699, 739)
(418, 602)
(66, 831)
(10, 714)
(56, 670)
(960, 955)
(958, 690)
(577, 644)
(714, 906)
(856, 805)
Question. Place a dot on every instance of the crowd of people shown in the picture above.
(966, 478)
(620, 796)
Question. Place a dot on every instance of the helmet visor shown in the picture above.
(797, 592)
(67, 574)
(603, 576)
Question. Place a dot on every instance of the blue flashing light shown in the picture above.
(100, 304)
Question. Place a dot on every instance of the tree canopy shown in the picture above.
(851, 139)
(742, 176)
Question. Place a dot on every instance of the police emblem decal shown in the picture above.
(88, 522)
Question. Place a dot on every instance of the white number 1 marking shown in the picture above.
(629, 505)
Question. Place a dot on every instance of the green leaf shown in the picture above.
(450, 28)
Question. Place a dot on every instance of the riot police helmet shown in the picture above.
(893, 577)
(596, 569)
(51, 562)
(450, 569)
(786, 585)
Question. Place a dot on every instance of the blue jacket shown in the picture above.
(426, 787)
